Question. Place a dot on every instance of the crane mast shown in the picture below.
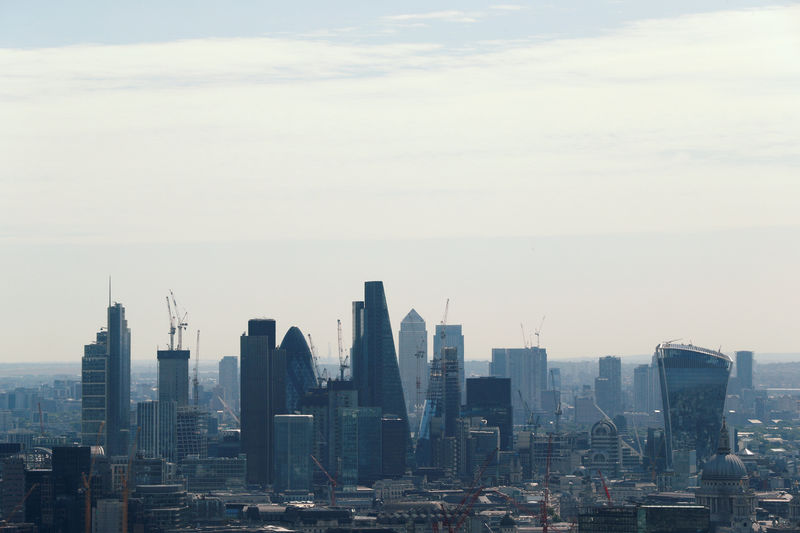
(344, 361)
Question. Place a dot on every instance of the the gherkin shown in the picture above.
(299, 367)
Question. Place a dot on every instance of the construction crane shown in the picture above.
(322, 376)
(420, 355)
(344, 360)
(529, 411)
(21, 503)
(172, 325)
(178, 322)
(460, 511)
(558, 412)
(229, 410)
(525, 342)
(538, 332)
(330, 480)
(605, 487)
(195, 379)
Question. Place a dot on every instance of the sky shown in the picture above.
(628, 169)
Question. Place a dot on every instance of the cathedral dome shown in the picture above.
(725, 465)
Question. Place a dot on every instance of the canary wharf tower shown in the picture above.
(693, 385)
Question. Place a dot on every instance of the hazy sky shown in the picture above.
(627, 168)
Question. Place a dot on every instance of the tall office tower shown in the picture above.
(611, 369)
(744, 369)
(119, 381)
(299, 367)
(527, 368)
(294, 437)
(173, 376)
(361, 457)
(94, 372)
(693, 385)
(412, 350)
(106, 385)
(229, 381)
(375, 371)
(263, 389)
(490, 399)
(641, 389)
(158, 425)
(451, 335)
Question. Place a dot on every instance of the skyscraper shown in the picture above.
(229, 381)
(744, 369)
(294, 436)
(263, 389)
(693, 385)
(173, 376)
(451, 335)
(106, 385)
(442, 407)
(299, 367)
(609, 395)
(412, 348)
(527, 368)
(375, 370)
(641, 387)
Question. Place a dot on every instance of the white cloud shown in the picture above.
(444, 16)
(566, 136)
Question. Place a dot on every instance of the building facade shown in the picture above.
(609, 397)
(412, 351)
(294, 436)
(527, 369)
(263, 395)
(299, 367)
(693, 385)
(229, 381)
(375, 370)
(173, 376)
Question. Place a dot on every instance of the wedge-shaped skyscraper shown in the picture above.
(693, 385)
(375, 371)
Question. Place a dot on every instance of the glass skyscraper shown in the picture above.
(375, 370)
(263, 386)
(447, 336)
(693, 385)
(299, 367)
(106, 385)
(412, 350)
(294, 437)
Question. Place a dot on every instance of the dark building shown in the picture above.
(173, 376)
(299, 367)
(490, 398)
(393, 447)
(744, 369)
(442, 407)
(608, 394)
(645, 519)
(375, 370)
(119, 381)
(70, 464)
(263, 389)
(693, 385)
(641, 388)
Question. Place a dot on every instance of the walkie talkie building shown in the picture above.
(693, 385)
